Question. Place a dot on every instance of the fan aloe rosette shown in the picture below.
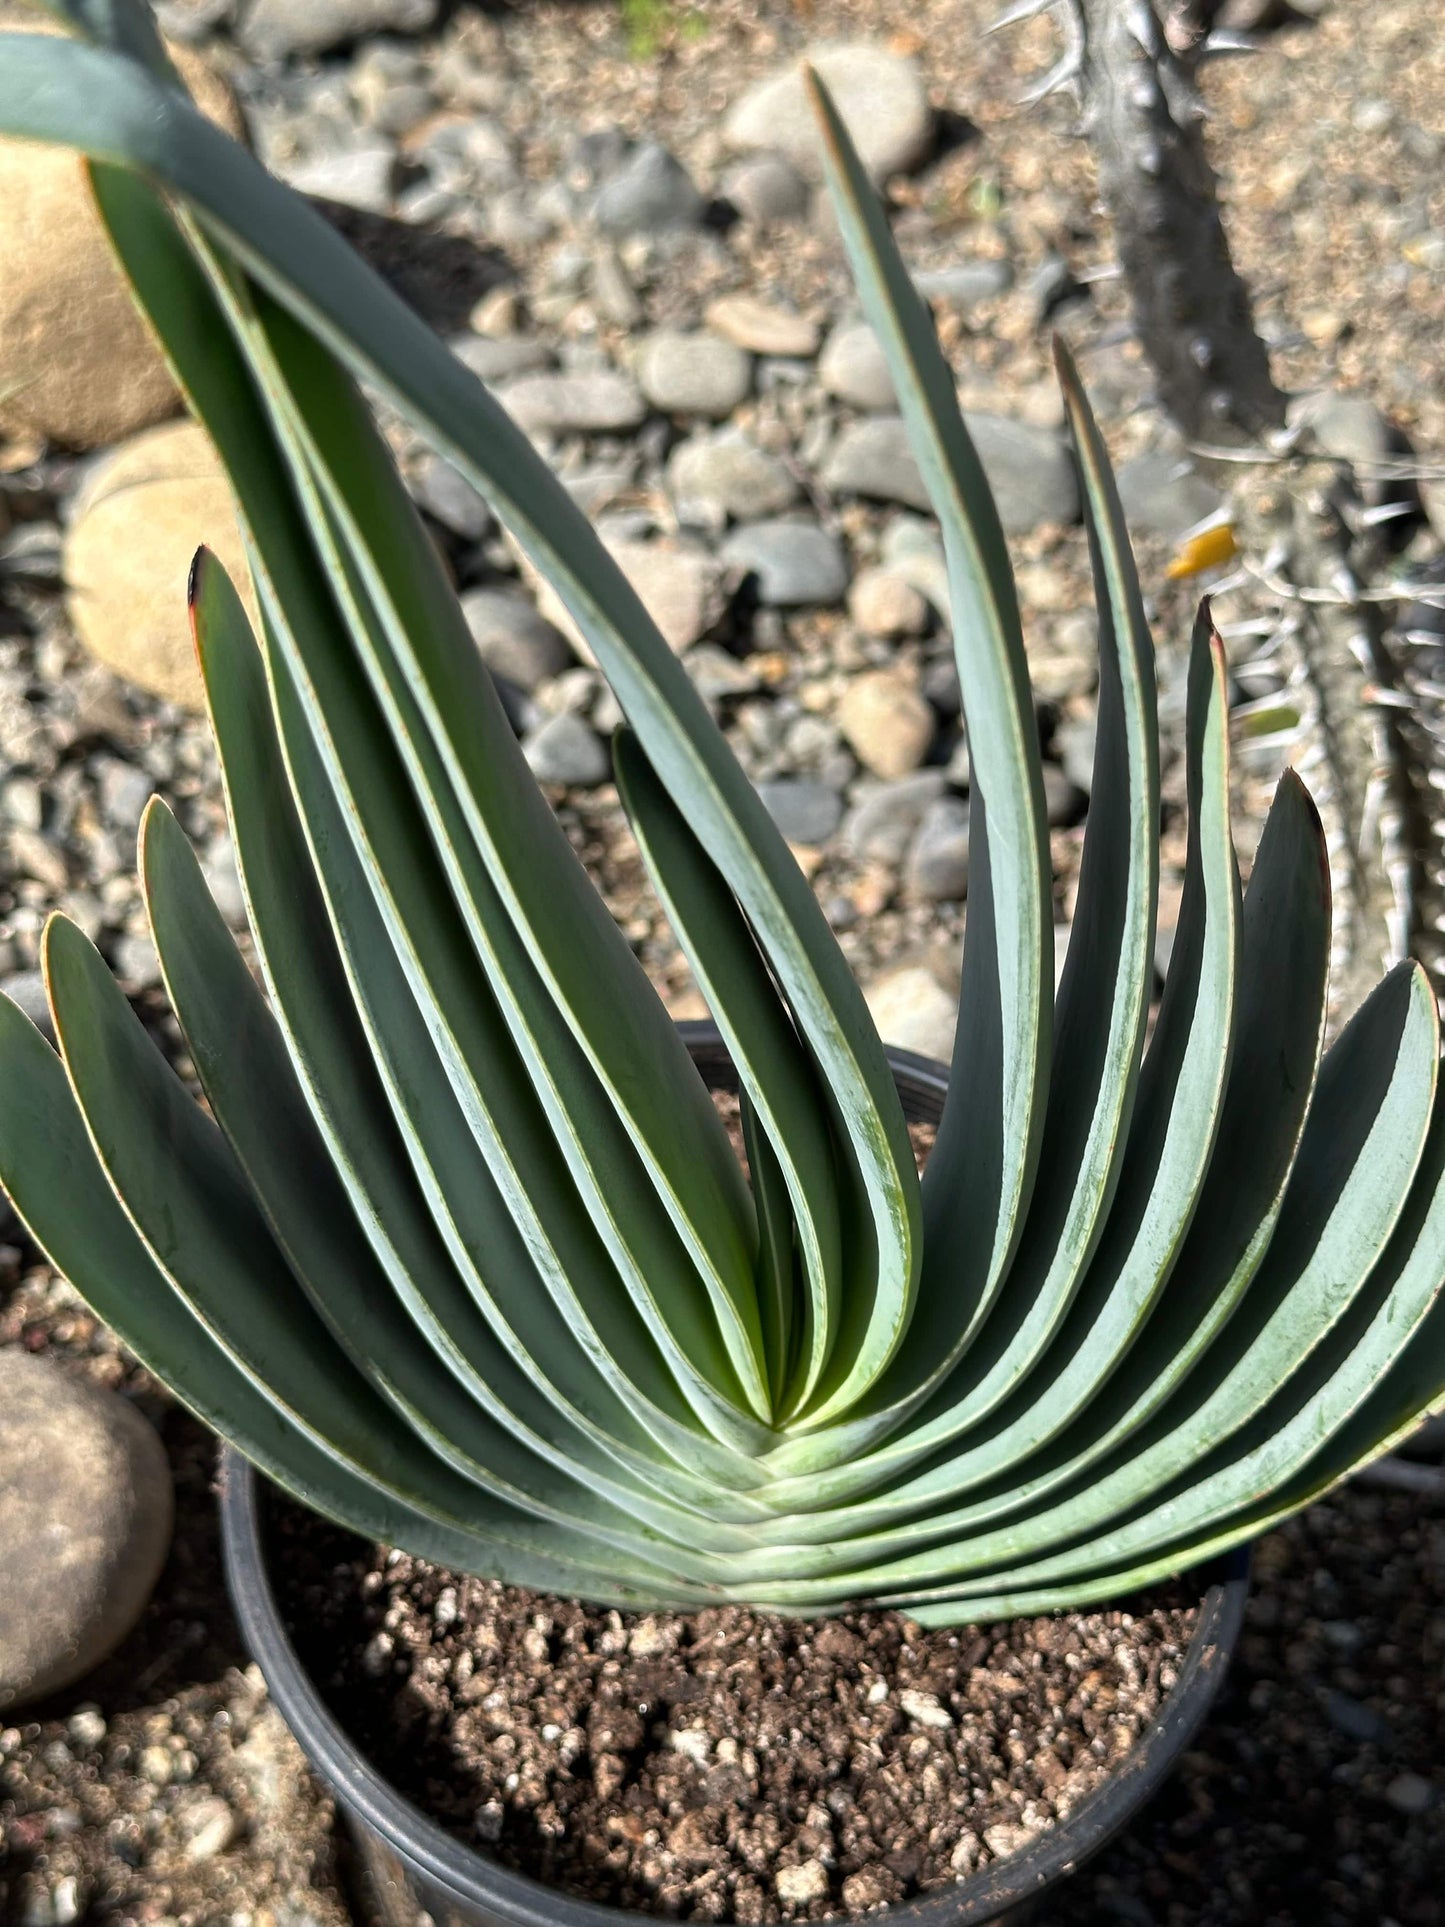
(460, 1253)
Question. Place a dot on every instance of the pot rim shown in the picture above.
(522, 1901)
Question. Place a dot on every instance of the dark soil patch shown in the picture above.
(727, 1764)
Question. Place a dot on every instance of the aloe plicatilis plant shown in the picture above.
(462, 1256)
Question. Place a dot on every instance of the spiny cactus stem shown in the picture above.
(1144, 119)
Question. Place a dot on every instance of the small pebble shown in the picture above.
(886, 722)
(601, 403)
(760, 327)
(924, 1709)
(801, 1885)
(854, 368)
(765, 189)
(727, 472)
(937, 865)
(563, 749)
(210, 1827)
(885, 605)
(1410, 1793)
(793, 562)
(86, 1727)
(693, 374)
(912, 1010)
(651, 193)
(805, 811)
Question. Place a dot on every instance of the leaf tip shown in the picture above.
(156, 820)
(196, 579)
(825, 114)
(1065, 366)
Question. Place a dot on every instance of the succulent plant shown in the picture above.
(460, 1253)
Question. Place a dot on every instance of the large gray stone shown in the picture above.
(565, 750)
(873, 458)
(728, 472)
(880, 96)
(694, 374)
(86, 1509)
(651, 193)
(937, 866)
(1165, 494)
(513, 639)
(852, 367)
(805, 810)
(1030, 470)
(600, 403)
(276, 29)
(794, 562)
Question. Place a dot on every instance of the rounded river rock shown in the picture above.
(86, 1510)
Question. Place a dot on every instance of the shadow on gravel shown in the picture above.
(442, 276)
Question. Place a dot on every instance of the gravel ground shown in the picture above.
(1315, 1793)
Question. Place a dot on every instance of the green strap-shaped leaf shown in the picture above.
(50, 1170)
(136, 122)
(1103, 1001)
(432, 1356)
(772, 1065)
(169, 1166)
(1173, 1129)
(779, 1296)
(977, 1182)
(1279, 1034)
(335, 1056)
(1284, 964)
(1379, 1369)
(562, 972)
(409, 893)
(1363, 1146)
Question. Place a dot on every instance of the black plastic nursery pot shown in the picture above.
(415, 1870)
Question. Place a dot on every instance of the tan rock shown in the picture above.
(78, 365)
(760, 327)
(912, 1010)
(887, 724)
(883, 604)
(139, 520)
(680, 587)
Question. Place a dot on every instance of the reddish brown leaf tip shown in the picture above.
(193, 581)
